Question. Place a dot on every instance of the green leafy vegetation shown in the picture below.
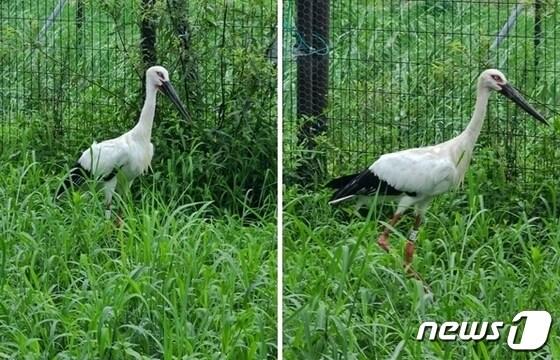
(172, 281)
(81, 81)
(191, 271)
(403, 74)
(345, 298)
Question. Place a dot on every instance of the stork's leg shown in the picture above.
(404, 204)
(383, 239)
(109, 189)
(409, 247)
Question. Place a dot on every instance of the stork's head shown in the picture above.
(495, 80)
(492, 79)
(158, 77)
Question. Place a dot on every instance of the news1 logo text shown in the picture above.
(533, 336)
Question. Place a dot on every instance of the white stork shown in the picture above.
(130, 153)
(416, 176)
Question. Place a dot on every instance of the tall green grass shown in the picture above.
(345, 298)
(175, 281)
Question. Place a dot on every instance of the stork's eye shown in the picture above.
(497, 78)
(160, 74)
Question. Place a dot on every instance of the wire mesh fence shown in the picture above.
(64, 68)
(402, 74)
(72, 71)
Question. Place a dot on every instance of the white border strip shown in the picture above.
(280, 184)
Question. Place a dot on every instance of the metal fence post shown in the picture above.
(80, 17)
(189, 72)
(538, 34)
(148, 34)
(312, 23)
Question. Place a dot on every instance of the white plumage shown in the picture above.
(129, 154)
(420, 170)
(415, 176)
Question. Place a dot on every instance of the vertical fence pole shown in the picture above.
(538, 33)
(148, 34)
(79, 24)
(189, 72)
(312, 23)
(147, 39)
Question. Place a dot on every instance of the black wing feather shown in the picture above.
(340, 182)
(364, 183)
(78, 176)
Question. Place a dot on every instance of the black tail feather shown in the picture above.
(76, 177)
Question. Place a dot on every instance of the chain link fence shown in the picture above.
(72, 71)
(402, 74)
(65, 67)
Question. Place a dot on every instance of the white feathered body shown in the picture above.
(428, 171)
(129, 153)
(420, 173)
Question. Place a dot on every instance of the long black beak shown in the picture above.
(170, 92)
(511, 93)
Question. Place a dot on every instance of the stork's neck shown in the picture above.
(474, 127)
(143, 128)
